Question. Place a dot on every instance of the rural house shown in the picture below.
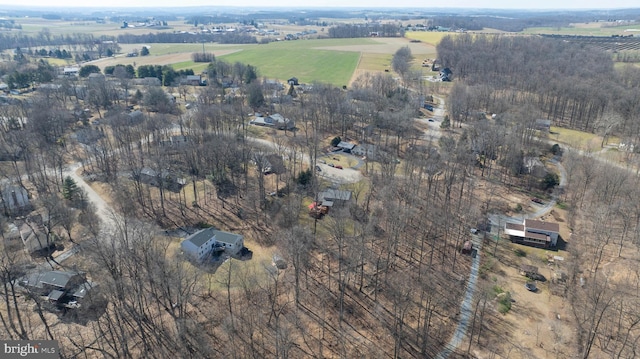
(542, 125)
(365, 149)
(193, 80)
(534, 233)
(60, 287)
(273, 164)
(164, 179)
(70, 71)
(345, 146)
(14, 199)
(331, 197)
(276, 121)
(534, 166)
(445, 74)
(202, 244)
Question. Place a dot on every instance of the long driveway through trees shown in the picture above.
(497, 221)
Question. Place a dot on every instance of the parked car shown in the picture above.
(536, 200)
(430, 120)
(318, 169)
(531, 286)
(331, 165)
(322, 161)
(339, 167)
(428, 107)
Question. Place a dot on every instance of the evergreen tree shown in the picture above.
(69, 189)
(446, 123)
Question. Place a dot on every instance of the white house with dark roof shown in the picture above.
(533, 232)
(202, 244)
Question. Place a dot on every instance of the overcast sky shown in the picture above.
(490, 4)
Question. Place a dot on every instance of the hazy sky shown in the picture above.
(492, 4)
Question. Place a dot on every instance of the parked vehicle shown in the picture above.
(339, 167)
(318, 169)
(536, 200)
(331, 165)
(322, 161)
(531, 286)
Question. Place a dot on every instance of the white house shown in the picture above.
(365, 149)
(71, 71)
(533, 232)
(202, 244)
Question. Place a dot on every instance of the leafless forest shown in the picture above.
(382, 277)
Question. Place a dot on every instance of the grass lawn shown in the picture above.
(197, 67)
(578, 139)
(375, 62)
(60, 62)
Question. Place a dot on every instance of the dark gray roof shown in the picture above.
(334, 194)
(346, 145)
(226, 237)
(54, 278)
(55, 294)
(201, 237)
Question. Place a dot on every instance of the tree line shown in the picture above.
(365, 30)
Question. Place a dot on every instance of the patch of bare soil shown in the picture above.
(153, 59)
(540, 323)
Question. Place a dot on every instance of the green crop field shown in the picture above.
(302, 59)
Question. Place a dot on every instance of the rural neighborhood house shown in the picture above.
(533, 232)
(202, 244)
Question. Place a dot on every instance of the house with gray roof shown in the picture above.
(331, 197)
(276, 121)
(202, 244)
(346, 146)
(14, 199)
(53, 284)
(66, 289)
(366, 149)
